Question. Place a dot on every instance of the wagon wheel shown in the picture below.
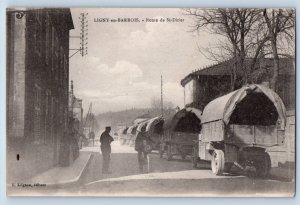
(169, 153)
(263, 165)
(218, 162)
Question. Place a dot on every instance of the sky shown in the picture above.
(125, 61)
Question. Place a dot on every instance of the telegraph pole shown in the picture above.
(72, 98)
(83, 49)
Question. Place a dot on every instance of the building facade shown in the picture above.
(76, 110)
(37, 88)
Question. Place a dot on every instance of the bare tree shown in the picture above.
(155, 103)
(280, 23)
(248, 33)
(237, 26)
(169, 105)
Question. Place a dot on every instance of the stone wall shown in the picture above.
(37, 89)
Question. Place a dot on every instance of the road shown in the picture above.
(166, 178)
(170, 178)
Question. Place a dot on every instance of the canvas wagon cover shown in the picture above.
(152, 122)
(142, 124)
(171, 122)
(130, 130)
(124, 131)
(223, 107)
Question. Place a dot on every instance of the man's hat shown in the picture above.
(107, 127)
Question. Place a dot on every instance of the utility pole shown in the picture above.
(161, 96)
(72, 98)
(83, 49)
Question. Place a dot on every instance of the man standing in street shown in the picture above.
(143, 147)
(105, 141)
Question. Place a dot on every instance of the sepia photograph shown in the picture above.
(150, 102)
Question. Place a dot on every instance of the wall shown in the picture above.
(204, 88)
(189, 92)
(37, 90)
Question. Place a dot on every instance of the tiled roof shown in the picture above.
(224, 68)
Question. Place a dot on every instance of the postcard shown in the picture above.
(150, 102)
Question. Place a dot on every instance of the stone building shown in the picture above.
(37, 88)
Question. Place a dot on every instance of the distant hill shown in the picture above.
(126, 117)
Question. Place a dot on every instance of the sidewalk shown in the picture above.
(116, 147)
(63, 175)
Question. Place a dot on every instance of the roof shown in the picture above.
(224, 68)
(221, 108)
(216, 69)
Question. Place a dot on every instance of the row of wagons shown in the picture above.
(233, 130)
(153, 129)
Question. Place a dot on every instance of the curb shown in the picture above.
(69, 181)
(74, 180)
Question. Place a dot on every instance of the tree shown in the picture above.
(245, 35)
(280, 23)
(242, 37)
(155, 103)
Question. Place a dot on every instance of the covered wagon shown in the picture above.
(140, 126)
(123, 133)
(180, 133)
(238, 127)
(130, 134)
(154, 130)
